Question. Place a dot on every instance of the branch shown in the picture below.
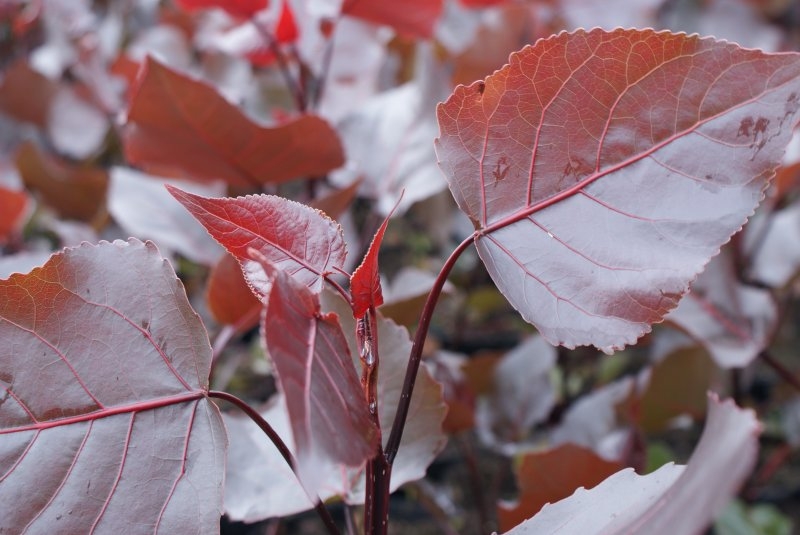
(393, 444)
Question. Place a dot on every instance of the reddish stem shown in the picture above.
(414, 359)
(285, 452)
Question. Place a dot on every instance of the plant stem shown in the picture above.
(285, 452)
(393, 444)
(376, 501)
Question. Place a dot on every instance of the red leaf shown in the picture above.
(25, 94)
(229, 297)
(104, 373)
(365, 283)
(673, 499)
(177, 125)
(329, 414)
(12, 208)
(297, 239)
(602, 170)
(74, 191)
(412, 18)
(286, 30)
(238, 8)
(551, 475)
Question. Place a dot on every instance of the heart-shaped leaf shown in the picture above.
(300, 240)
(179, 125)
(329, 415)
(104, 419)
(602, 170)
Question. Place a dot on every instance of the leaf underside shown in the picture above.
(104, 419)
(602, 170)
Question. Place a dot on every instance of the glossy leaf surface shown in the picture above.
(328, 412)
(105, 421)
(295, 238)
(177, 126)
(602, 170)
(673, 499)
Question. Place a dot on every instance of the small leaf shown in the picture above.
(365, 282)
(673, 499)
(177, 125)
(104, 374)
(295, 238)
(597, 191)
(329, 415)
(286, 30)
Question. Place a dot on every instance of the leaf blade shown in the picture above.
(579, 134)
(81, 403)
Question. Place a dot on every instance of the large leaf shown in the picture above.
(673, 499)
(602, 170)
(329, 414)
(297, 239)
(104, 419)
(179, 125)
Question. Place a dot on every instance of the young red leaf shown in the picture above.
(602, 170)
(12, 208)
(329, 414)
(412, 18)
(673, 499)
(238, 8)
(297, 239)
(286, 30)
(548, 476)
(365, 283)
(177, 125)
(104, 374)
